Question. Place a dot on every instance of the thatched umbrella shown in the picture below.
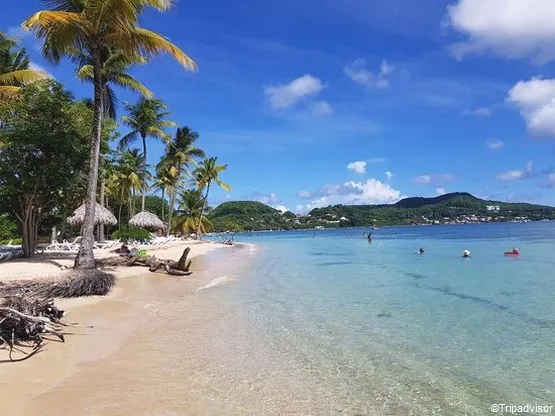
(146, 219)
(102, 215)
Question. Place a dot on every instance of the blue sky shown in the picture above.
(357, 101)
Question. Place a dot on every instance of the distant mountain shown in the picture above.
(458, 207)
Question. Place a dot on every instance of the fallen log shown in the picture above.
(155, 265)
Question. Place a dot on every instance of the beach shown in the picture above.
(79, 375)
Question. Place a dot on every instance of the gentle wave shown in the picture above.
(218, 281)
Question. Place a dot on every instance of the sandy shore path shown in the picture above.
(78, 376)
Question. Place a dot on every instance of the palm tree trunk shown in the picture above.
(202, 211)
(163, 203)
(120, 207)
(103, 203)
(172, 203)
(85, 256)
(144, 173)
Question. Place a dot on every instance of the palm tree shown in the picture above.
(128, 178)
(181, 152)
(146, 119)
(190, 218)
(163, 181)
(115, 69)
(208, 172)
(91, 26)
(14, 68)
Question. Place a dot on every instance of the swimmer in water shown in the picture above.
(466, 254)
(420, 250)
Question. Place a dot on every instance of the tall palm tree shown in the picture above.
(128, 178)
(181, 152)
(189, 217)
(115, 70)
(146, 119)
(15, 69)
(92, 26)
(163, 181)
(207, 172)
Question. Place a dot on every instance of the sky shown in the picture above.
(312, 103)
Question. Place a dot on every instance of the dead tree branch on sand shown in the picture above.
(174, 268)
(25, 321)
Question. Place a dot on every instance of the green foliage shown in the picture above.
(43, 154)
(127, 234)
(13, 241)
(8, 228)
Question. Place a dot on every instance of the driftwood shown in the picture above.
(25, 321)
(155, 265)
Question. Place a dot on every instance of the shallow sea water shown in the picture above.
(324, 323)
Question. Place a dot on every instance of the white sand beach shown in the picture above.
(115, 318)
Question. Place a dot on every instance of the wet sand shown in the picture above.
(124, 364)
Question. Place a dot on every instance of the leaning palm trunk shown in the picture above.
(85, 256)
(199, 228)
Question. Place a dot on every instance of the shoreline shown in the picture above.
(115, 318)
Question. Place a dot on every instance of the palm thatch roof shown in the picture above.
(102, 215)
(146, 219)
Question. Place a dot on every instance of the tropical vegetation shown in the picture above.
(57, 152)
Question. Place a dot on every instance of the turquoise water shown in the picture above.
(341, 326)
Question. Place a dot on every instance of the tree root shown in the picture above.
(23, 323)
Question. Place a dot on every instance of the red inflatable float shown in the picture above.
(512, 254)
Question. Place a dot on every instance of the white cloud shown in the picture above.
(515, 175)
(281, 208)
(305, 194)
(551, 180)
(423, 179)
(371, 191)
(478, 112)
(510, 28)
(357, 71)
(287, 95)
(388, 175)
(271, 198)
(358, 167)
(536, 101)
(440, 191)
(19, 33)
(322, 108)
(495, 144)
(430, 179)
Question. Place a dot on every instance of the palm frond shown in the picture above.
(126, 140)
(22, 77)
(148, 43)
(127, 81)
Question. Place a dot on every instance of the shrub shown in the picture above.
(127, 234)
(8, 228)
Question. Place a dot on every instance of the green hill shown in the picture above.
(249, 216)
(456, 207)
(449, 208)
